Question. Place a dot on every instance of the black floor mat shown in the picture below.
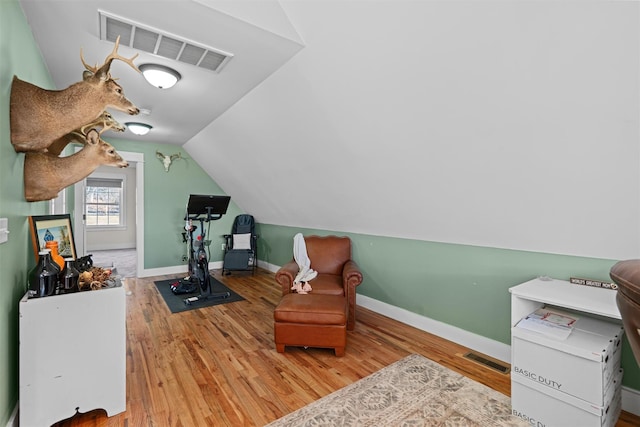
(176, 303)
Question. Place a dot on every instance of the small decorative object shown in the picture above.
(96, 278)
(84, 263)
(69, 277)
(594, 283)
(301, 288)
(52, 227)
(167, 160)
(305, 272)
(43, 278)
(52, 245)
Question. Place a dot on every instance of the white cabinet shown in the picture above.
(557, 381)
(72, 355)
(531, 295)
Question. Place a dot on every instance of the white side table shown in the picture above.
(531, 295)
(72, 355)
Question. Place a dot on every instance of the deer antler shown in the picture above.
(93, 70)
(107, 122)
(116, 55)
(104, 68)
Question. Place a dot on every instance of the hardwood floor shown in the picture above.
(218, 366)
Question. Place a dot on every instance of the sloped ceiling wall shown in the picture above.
(258, 34)
(502, 124)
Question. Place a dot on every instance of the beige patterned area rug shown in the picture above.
(412, 392)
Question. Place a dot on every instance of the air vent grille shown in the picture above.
(145, 40)
(486, 361)
(150, 40)
(116, 28)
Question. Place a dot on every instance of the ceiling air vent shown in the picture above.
(169, 46)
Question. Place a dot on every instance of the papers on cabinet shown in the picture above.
(552, 323)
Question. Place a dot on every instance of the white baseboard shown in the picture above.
(479, 343)
(110, 247)
(176, 269)
(495, 349)
(631, 400)
(13, 419)
(267, 266)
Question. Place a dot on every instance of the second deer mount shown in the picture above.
(45, 174)
(167, 160)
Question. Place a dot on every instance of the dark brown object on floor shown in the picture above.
(311, 321)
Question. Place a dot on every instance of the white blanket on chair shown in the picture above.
(305, 273)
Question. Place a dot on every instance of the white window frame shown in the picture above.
(123, 202)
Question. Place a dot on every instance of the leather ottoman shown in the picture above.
(311, 320)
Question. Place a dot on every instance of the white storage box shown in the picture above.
(541, 406)
(582, 365)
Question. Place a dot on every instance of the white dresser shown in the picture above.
(574, 380)
(72, 355)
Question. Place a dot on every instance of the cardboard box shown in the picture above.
(542, 406)
(583, 365)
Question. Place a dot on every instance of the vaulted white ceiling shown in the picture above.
(258, 35)
(504, 124)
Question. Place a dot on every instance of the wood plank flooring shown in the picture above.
(218, 366)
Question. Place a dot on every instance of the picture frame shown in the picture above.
(52, 227)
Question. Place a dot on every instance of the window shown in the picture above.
(104, 198)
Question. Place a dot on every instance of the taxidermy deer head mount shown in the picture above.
(38, 116)
(167, 160)
(46, 174)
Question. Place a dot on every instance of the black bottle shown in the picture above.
(69, 277)
(43, 278)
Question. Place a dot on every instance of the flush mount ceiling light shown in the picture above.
(138, 128)
(160, 76)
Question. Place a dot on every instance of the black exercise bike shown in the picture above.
(202, 209)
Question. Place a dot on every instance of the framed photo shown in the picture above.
(52, 227)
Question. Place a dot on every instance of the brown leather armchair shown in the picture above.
(626, 274)
(338, 274)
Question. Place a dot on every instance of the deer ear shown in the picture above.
(103, 72)
(93, 137)
(103, 76)
(86, 75)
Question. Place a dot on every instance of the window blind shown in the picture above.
(104, 182)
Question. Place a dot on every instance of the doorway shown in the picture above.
(136, 161)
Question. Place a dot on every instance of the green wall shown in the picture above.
(20, 56)
(463, 286)
(165, 200)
